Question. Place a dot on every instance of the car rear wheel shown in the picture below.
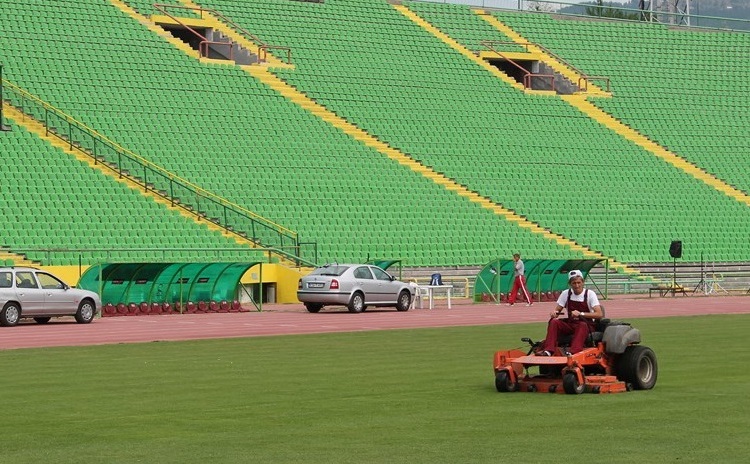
(42, 320)
(571, 384)
(10, 315)
(357, 303)
(404, 301)
(85, 313)
(313, 307)
(637, 366)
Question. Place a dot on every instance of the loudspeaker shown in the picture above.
(675, 249)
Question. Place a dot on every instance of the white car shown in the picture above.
(27, 292)
(353, 285)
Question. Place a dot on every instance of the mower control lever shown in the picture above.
(527, 340)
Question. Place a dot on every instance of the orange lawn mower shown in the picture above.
(611, 362)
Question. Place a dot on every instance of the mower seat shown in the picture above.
(601, 325)
(596, 336)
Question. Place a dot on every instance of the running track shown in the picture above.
(293, 319)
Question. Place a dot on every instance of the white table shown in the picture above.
(430, 290)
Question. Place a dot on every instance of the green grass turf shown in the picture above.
(408, 396)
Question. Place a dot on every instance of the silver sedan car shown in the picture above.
(26, 292)
(353, 285)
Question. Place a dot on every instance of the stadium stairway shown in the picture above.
(270, 60)
(570, 74)
(13, 259)
(207, 20)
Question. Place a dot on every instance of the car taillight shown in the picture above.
(334, 284)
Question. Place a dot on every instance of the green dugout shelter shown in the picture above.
(545, 278)
(164, 282)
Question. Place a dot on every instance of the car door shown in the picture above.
(29, 294)
(57, 298)
(387, 288)
(7, 292)
(364, 280)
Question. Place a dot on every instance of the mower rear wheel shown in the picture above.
(571, 384)
(503, 383)
(637, 366)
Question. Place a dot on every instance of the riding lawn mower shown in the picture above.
(612, 361)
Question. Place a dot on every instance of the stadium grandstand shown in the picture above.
(296, 133)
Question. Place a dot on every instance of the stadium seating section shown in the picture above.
(228, 132)
(51, 201)
(685, 90)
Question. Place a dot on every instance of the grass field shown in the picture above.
(406, 396)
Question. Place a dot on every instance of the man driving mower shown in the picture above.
(612, 361)
(583, 310)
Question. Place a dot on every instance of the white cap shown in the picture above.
(575, 273)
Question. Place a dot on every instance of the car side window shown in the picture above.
(50, 282)
(380, 274)
(25, 280)
(363, 273)
(5, 280)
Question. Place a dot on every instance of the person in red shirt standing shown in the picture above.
(583, 310)
(519, 282)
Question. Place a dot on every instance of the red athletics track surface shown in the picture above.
(293, 319)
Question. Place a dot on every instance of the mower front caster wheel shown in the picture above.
(503, 383)
(571, 384)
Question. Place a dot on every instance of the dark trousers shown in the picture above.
(557, 327)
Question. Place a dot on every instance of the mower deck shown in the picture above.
(557, 374)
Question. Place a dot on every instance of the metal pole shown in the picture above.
(651, 11)
(260, 289)
(497, 276)
(3, 127)
(606, 278)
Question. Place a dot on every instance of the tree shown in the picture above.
(541, 7)
(609, 11)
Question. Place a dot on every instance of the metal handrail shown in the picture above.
(262, 46)
(204, 40)
(263, 52)
(528, 75)
(163, 252)
(583, 77)
(205, 43)
(181, 193)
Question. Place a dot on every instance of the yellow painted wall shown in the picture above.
(69, 274)
(285, 278)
